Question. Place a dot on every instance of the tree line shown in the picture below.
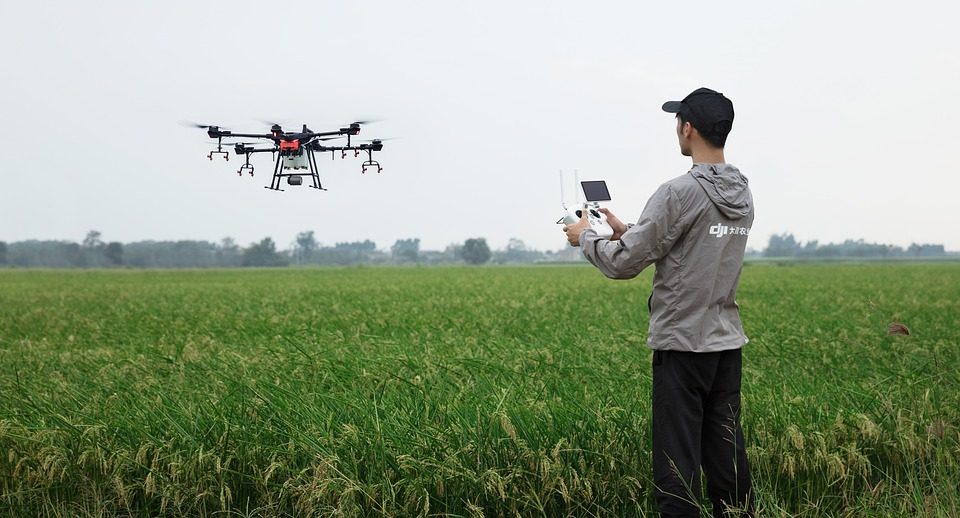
(785, 245)
(94, 252)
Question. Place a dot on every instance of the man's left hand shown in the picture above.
(573, 231)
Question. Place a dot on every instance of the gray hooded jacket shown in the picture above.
(694, 228)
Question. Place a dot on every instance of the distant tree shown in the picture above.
(346, 253)
(141, 254)
(860, 248)
(193, 254)
(3, 253)
(809, 249)
(782, 246)
(228, 253)
(305, 246)
(172, 254)
(406, 250)
(517, 252)
(92, 250)
(92, 240)
(45, 254)
(114, 253)
(74, 255)
(854, 248)
(516, 245)
(926, 250)
(475, 251)
(365, 246)
(829, 250)
(566, 254)
(263, 253)
(453, 252)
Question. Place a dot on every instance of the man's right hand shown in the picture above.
(618, 226)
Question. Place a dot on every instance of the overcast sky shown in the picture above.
(847, 115)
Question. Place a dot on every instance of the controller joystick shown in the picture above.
(597, 219)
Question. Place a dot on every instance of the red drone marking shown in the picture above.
(289, 145)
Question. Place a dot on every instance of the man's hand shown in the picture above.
(573, 231)
(618, 226)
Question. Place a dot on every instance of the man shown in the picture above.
(694, 230)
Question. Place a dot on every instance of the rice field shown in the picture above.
(457, 392)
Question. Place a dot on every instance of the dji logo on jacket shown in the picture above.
(721, 230)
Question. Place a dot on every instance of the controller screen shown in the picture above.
(596, 190)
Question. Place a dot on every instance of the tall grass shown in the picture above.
(467, 392)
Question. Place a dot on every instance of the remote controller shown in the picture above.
(594, 192)
(597, 219)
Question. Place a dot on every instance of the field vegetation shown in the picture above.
(456, 391)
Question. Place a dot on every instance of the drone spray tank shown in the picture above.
(296, 163)
(295, 158)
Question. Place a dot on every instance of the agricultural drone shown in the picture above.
(293, 152)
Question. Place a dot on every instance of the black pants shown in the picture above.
(696, 422)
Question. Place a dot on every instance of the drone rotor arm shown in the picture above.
(246, 135)
(338, 133)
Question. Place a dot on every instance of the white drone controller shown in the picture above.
(597, 219)
(594, 192)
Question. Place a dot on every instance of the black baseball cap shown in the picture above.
(708, 110)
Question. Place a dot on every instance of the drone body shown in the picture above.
(293, 152)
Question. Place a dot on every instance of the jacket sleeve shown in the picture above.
(642, 244)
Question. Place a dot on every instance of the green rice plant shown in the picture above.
(456, 391)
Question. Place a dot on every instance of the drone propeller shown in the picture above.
(370, 121)
(381, 139)
(191, 124)
(275, 127)
(274, 122)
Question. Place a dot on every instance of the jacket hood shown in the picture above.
(726, 187)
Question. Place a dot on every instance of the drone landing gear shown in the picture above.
(275, 181)
(314, 174)
(295, 178)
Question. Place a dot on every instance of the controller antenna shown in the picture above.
(563, 194)
(576, 180)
